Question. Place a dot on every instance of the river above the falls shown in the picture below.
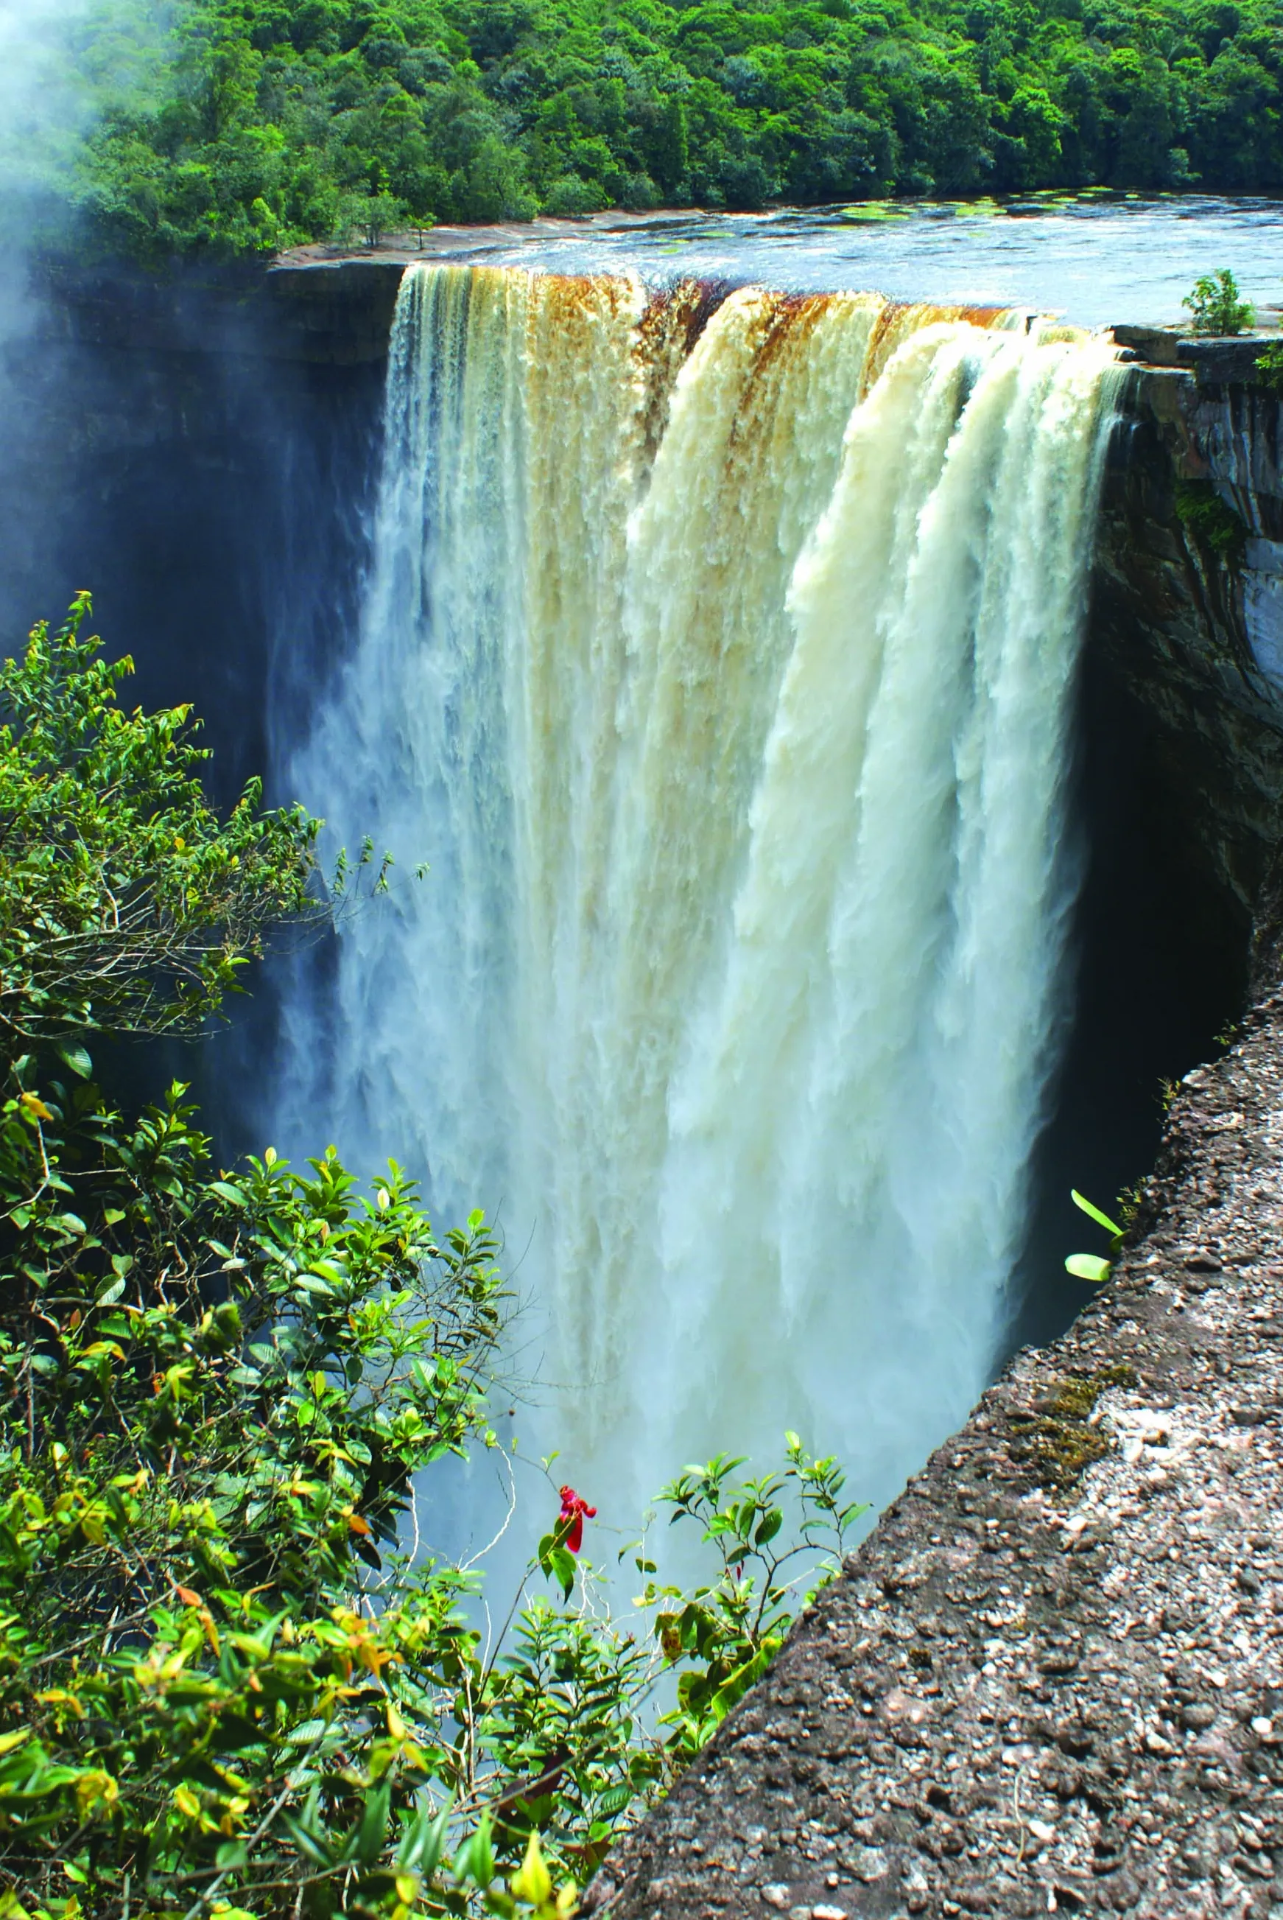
(1098, 258)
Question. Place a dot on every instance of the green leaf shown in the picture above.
(1094, 1213)
(311, 1845)
(303, 1736)
(76, 1058)
(1088, 1266)
(561, 1567)
(367, 1840)
(313, 1284)
(475, 1858)
(768, 1527)
(424, 1841)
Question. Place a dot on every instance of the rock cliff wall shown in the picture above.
(198, 449)
(1188, 600)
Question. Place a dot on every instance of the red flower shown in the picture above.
(576, 1510)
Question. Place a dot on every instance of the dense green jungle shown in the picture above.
(243, 125)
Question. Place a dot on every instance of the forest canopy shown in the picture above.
(266, 123)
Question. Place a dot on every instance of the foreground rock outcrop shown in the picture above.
(1052, 1678)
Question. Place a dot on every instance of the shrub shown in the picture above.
(1200, 508)
(230, 1682)
(570, 196)
(1269, 366)
(1216, 306)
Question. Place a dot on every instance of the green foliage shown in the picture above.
(1216, 306)
(269, 121)
(1211, 520)
(1269, 372)
(731, 1629)
(1090, 1266)
(124, 902)
(232, 1680)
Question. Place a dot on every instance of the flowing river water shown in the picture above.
(1095, 258)
(717, 653)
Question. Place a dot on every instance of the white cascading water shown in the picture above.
(719, 659)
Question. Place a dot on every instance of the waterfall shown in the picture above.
(718, 656)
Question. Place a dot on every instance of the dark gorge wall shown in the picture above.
(1180, 776)
(199, 450)
(1187, 616)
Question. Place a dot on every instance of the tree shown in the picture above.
(1216, 306)
(126, 905)
(381, 213)
(260, 118)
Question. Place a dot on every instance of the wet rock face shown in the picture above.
(333, 314)
(1188, 593)
(1052, 1678)
(199, 449)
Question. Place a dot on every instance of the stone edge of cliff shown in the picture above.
(1052, 1677)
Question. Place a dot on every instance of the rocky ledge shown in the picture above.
(1052, 1678)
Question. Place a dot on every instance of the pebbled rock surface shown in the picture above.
(1051, 1680)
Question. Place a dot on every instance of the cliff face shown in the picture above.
(199, 450)
(1188, 602)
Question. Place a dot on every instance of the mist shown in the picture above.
(62, 62)
(44, 110)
